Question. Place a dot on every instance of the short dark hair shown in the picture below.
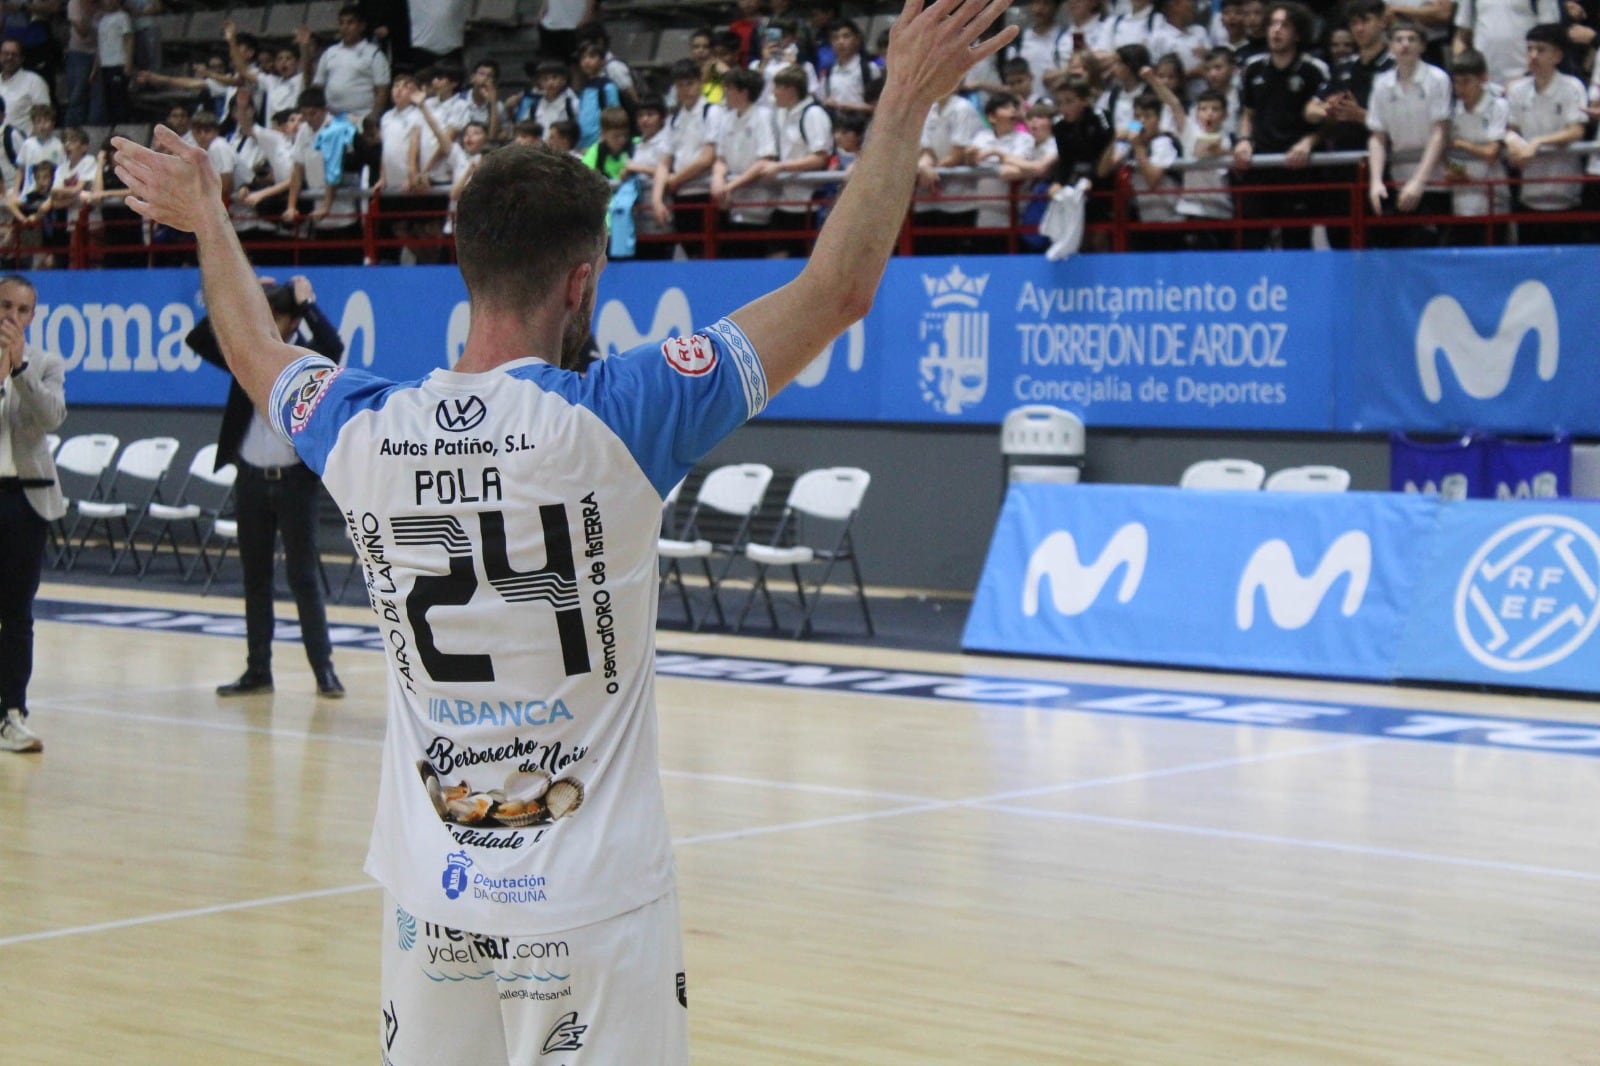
(282, 115)
(311, 96)
(551, 66)
(1407, 25)
(1015, 65)
(528, 128)
(750, 82)
(1147, 101)
(353, 10)
(1211, 96)
(18, 279)
(998, 100)
(1136, 56)
(684, 70)
(1547, 33)
(1470, 62)
(1362, 9)
(527, 217)
(566, 129)
(652, 102)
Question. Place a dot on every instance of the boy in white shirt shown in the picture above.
(1151, 154)
(1478, 120)
(1547, 109)
(747, 147)
(1408, 114)
(43, 145)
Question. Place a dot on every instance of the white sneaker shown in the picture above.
(15, 734)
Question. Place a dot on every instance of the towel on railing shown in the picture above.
(333, 141)
(623, 236)
(1063, 220)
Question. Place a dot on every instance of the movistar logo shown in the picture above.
(1292, 600)
(1074, 586)
(615, 331)
(1481, 364)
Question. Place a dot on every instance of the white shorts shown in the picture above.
(602, 994)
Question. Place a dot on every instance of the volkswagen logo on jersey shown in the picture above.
(1530, 597)
(690, 356)
(458, 416)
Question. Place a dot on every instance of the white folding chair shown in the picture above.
(735, 490)
(81, 464)
(135, 484)
(1309, 479)
(1040, 443)
(1240, 474)
(833, 496)
(204, 493)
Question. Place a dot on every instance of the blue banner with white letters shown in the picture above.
(1498, 340)
(1254, 581)
(1371, 585)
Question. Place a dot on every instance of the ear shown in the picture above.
(577, 280)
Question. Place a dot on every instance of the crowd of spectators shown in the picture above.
(1181, 118)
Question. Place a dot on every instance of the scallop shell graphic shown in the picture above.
(564, 797)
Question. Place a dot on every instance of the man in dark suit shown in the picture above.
(275, 494)
(33, 402)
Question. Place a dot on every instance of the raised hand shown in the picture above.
(932, 47)
(176, 187)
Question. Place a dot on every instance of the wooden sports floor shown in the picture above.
(882, 872)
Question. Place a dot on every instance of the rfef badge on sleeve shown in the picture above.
(691, 356)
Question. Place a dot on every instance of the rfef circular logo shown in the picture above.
(690, 356)
(1530, 596)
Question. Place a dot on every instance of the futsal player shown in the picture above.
(507, 512)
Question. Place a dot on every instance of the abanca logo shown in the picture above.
(1481, 364)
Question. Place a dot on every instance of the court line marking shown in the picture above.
(991, 803)
(1300, 842)
(920, 807)
(193, 912)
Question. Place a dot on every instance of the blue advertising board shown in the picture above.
(1504, 340)
(1381, 586)
(1256, 581)
(1498, 340)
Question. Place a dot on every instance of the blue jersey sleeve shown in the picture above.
(671, 402)
(313, 399)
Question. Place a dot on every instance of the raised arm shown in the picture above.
(930, 50)
(181, 190)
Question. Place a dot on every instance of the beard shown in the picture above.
(577, 341)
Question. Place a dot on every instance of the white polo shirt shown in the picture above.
(1406, 112)
(350, 75)
(1535, 114)
(1484, 124)
(804, 129)
(744, 139)
(952, 123)
(691, 129)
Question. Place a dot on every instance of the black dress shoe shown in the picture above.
(328, 684)
(247, 685)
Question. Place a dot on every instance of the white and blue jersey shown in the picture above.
(507, 524)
